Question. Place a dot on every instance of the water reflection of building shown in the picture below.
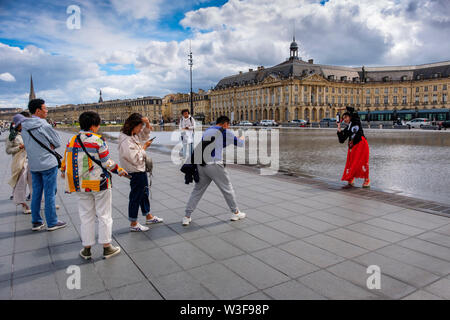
(297, 89)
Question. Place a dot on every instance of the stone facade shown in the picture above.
(201, 102)
(114, 110)
(297, 89)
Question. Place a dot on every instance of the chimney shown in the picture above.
(311, 61)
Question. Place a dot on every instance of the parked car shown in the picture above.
(418, 123)
(245, 123)
(267, 123)
(300, 122)
(444, 124)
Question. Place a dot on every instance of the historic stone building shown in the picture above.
(113, 110)
(6, 114)
(297, 89)
(201, 102)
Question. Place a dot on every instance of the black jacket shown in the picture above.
(353, 132)
(190, 173)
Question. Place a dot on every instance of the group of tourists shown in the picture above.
(87, 168)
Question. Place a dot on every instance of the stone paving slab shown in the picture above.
(300, 241)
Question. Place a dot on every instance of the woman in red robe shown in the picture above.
(357, 165)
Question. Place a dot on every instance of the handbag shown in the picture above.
(53, 152)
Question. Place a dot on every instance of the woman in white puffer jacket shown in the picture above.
(133, 143)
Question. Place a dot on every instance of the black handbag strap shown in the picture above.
(97, 162)
(53, 152)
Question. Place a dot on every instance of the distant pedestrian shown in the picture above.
(40, 142)
(86, 167)
(133, 143)
(357, 165)
(187, 126)
(213, 168)
(21, 175)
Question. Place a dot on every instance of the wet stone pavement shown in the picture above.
(298, 242)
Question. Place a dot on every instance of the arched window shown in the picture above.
(307, 114)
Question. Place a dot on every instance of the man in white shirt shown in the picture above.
(187, 126)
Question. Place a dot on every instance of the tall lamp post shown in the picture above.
(191, 63)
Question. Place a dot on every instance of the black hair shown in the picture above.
(185, 110)
(35, 104)
(26, 114)
(346, 114)
(88, 119)
(222, 120)
(132, 122)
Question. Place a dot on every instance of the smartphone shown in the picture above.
(337, 118)
(153, 138)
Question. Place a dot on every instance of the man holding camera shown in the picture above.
(187, 126)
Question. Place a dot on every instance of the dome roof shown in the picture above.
(294, 45)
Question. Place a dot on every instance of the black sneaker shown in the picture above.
(110, 251)
(38, 226)
(11, 198)
(58, 225)
(29, 197)
(86, 254)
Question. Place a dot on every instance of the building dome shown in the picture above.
(294, 45)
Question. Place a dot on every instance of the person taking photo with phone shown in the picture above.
(133, 143)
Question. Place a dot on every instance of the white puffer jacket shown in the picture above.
(131, 151)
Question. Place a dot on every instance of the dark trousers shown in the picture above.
(139, 195)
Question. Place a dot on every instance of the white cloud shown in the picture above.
(7, 77)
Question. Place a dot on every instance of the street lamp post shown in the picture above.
(191, 63)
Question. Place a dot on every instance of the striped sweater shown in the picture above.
(82, 174)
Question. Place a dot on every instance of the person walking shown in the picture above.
(187, 126)
(357, 165)
(86, 167)
(40, 142)
(21, 176)
(133, 143)
(213, 168)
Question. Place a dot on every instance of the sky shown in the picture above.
(139, 48)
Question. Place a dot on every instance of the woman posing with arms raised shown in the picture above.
(133, 143)
(357, 165)
(21, 175)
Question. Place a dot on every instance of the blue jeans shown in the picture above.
(185, 149)
(139, 195)
(44, 181)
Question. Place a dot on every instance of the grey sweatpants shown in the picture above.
(217, 173)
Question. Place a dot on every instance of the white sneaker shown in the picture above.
(154, 220)
(237, 216)
(186, 221)
(139, 228)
